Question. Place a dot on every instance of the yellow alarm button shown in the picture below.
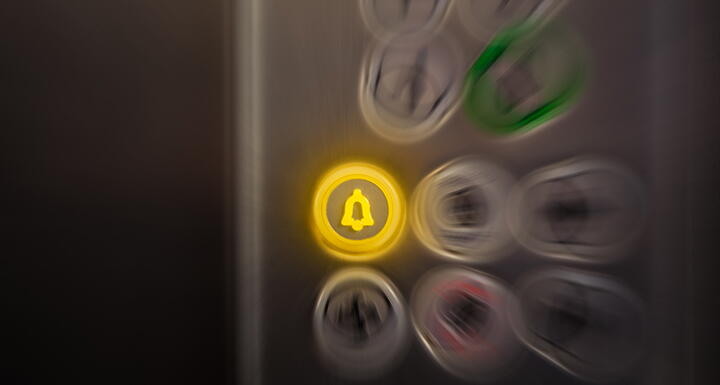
(358, 212)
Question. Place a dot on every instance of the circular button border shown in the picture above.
(560, 103)
(604, 282)
(393, 129)
(399, 341)
(602, 254)
(469, 369)
(502, 243)
(358, 249)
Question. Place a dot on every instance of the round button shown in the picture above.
(410, 88)
(584, 209)
(358, 211)
(458, 210)
(462, 318)
(524, 78)
(587, 324)
(360, 323)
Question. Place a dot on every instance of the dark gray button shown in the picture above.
(584, 208)
(587, 324)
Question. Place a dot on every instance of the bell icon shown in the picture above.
(348, 220)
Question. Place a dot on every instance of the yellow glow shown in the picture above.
(358, 249)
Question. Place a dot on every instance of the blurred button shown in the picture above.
(410, 88)
(584, 208)
(358, 212)
(523, 79)
(586, 324)
(458, 210)
(483, 18)
(360, 323)
(403, 17)
(461, 317)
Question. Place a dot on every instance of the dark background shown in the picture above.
(117, 190)
(114, 164)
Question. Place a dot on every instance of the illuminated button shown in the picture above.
(358, 211)
(462, 318)
(585, 323)
(523, 79)
(360, 323)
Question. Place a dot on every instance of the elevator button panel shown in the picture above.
(508, 69)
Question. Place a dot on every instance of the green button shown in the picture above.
(525, 77)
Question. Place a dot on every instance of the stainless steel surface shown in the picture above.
(306, 63)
